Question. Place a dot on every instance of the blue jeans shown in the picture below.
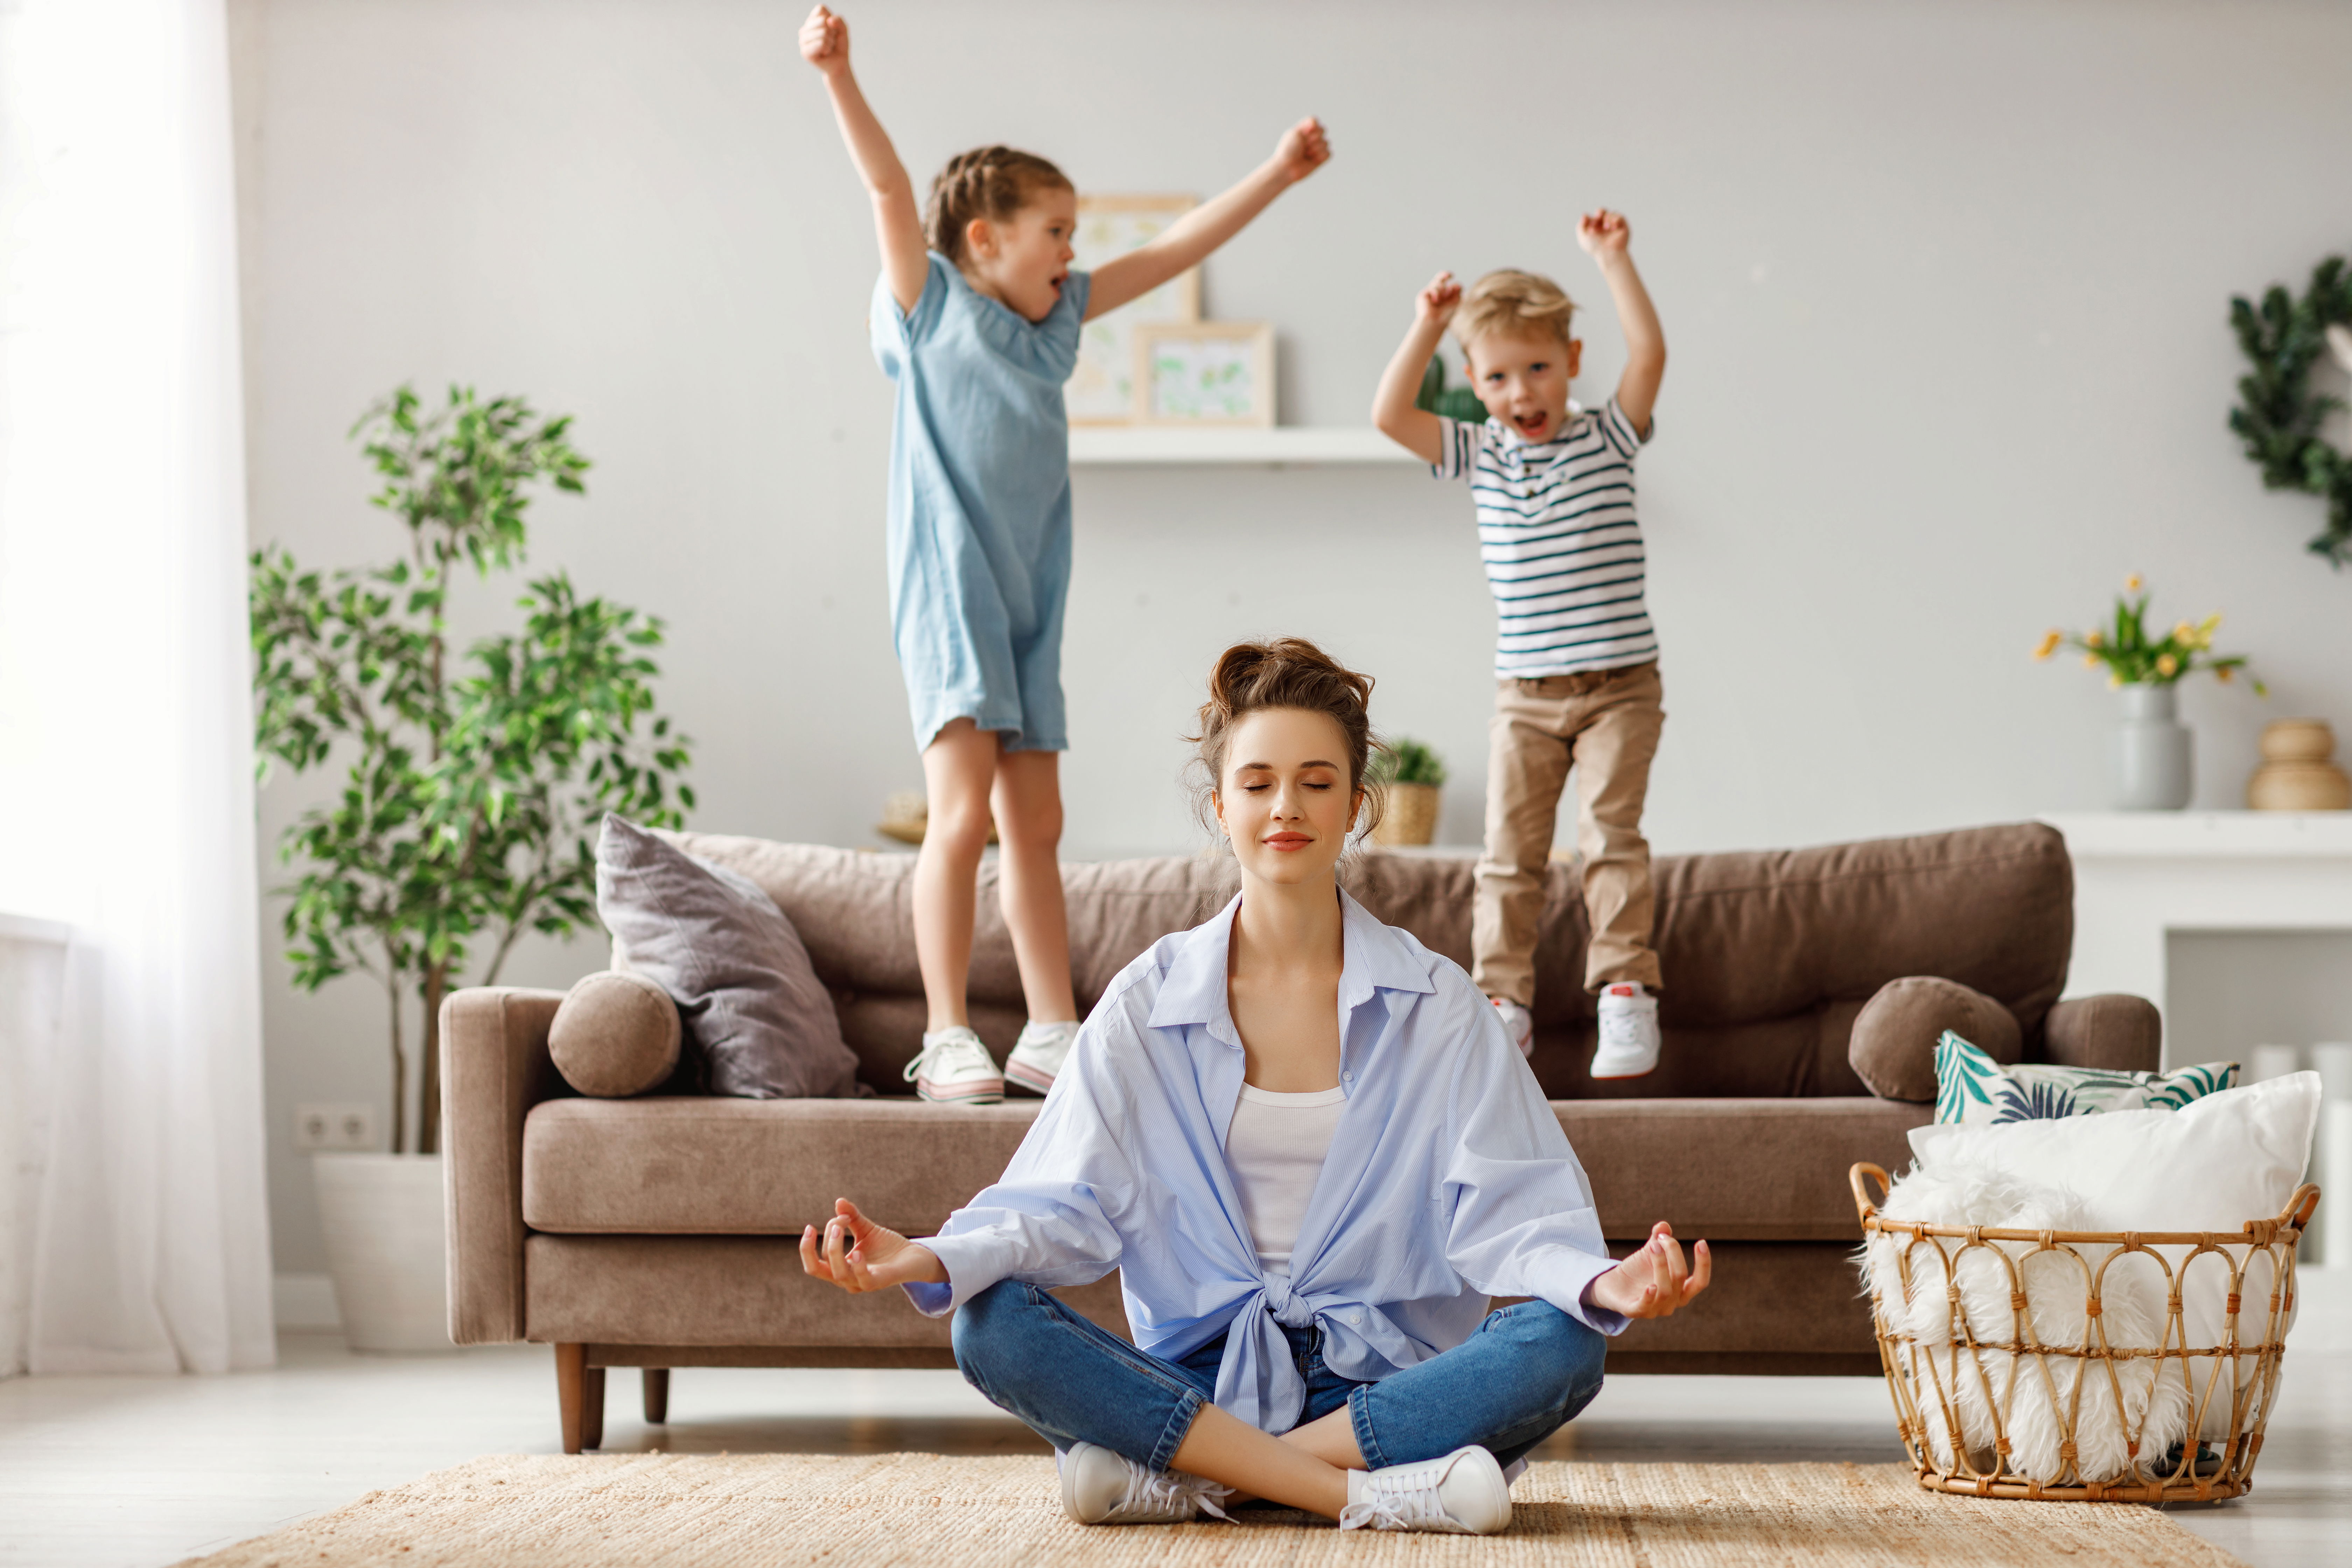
(1523, 1374)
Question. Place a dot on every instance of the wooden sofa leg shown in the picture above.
(657, 1395)
(571, 1378)
(592, 1405)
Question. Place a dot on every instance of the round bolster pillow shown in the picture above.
(1892, 1048)
(616, 1033)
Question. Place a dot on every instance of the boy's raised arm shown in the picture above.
(898, 220)
(1608, 237)
(1303, 150)
(1417, 430)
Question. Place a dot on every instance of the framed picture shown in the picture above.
(1101, 390)
(1204, 373)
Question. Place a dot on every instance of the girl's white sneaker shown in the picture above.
(1037, 1056)
(1461, 1493)
(1099, 1487)
(956, 1067)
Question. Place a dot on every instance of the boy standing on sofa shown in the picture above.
(1576, 661)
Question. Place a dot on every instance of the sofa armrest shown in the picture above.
(493, 1067)
(2118, 1031)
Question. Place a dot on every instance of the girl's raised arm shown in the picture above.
(1302, 151)
(898, 219)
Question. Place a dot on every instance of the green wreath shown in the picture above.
(2278, 415)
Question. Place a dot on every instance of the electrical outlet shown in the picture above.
(331, 1126)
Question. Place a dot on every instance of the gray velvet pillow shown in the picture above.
(750, 1003)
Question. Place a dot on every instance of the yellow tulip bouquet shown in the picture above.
(2134, 659)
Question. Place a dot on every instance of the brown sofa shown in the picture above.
(660, 1231)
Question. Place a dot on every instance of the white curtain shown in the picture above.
(126, 782)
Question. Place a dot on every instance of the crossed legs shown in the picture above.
(966, 771)
(1527, 1371)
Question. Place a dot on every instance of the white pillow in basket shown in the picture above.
(2211, 1165)
(1979, 1384)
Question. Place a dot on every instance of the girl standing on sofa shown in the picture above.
(1312, 1152)
(977, 318)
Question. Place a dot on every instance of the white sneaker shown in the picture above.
(1519, 1024)
(1037, 1056)
(1099, 1487)
(1629, 1032)
(1463, 1493)
(955, 1066)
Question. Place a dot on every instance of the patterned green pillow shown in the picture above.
(1970, 1087)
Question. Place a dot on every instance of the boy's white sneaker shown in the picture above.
(1099, 1487)
(954, 1066)
(1629, 1032)
(1038, 1055)
(1463, 1493)
(1519, 1024)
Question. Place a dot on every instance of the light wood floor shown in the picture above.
(135, 1471)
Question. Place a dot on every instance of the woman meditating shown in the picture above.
(1307, 1144)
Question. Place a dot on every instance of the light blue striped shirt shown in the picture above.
(1448, 1179)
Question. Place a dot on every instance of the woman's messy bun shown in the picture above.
(1287, 672)
(992, 183)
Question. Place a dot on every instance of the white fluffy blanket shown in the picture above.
(2030, 1392)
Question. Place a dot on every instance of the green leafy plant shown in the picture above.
(1454, 401)
(469, 789)
(1407, 762)
(2278, 416)
(2133, 657)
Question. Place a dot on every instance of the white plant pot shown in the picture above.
(387, 1249)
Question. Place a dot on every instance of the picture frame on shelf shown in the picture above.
(1205, 374)
(1102, 391)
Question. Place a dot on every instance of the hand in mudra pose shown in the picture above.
(1653, 1282)
(859, 1255)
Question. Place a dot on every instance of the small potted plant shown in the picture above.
(2153, 756)
(1414, 776)
(469, 782)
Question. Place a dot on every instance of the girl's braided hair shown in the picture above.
(992, 183)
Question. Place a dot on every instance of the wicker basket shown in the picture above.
(1926, 1376)
(1409, 815)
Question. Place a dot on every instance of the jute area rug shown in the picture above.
(508, 1511)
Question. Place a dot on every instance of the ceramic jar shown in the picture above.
(2153, 767)
(2297, 772)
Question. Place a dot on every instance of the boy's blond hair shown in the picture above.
(1514, 304)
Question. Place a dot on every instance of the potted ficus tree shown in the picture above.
(469, 785)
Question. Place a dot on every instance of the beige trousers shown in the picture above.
(1606, 723)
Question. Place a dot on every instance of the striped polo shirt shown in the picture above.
(1562, 547)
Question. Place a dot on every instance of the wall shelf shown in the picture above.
(1134, 446)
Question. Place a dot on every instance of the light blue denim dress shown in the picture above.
(980, 504)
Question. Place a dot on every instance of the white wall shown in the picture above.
(1945, 288)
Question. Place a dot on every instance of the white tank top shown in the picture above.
(1275, 1148)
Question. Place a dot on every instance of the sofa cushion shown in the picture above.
(1892, 1048)
(1767, 955)
(616, 1035)
(1720, 1169)
(761, 1021)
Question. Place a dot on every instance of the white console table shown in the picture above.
(2140, 876)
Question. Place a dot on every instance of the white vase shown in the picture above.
(387, 1249)
(2152, 752)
